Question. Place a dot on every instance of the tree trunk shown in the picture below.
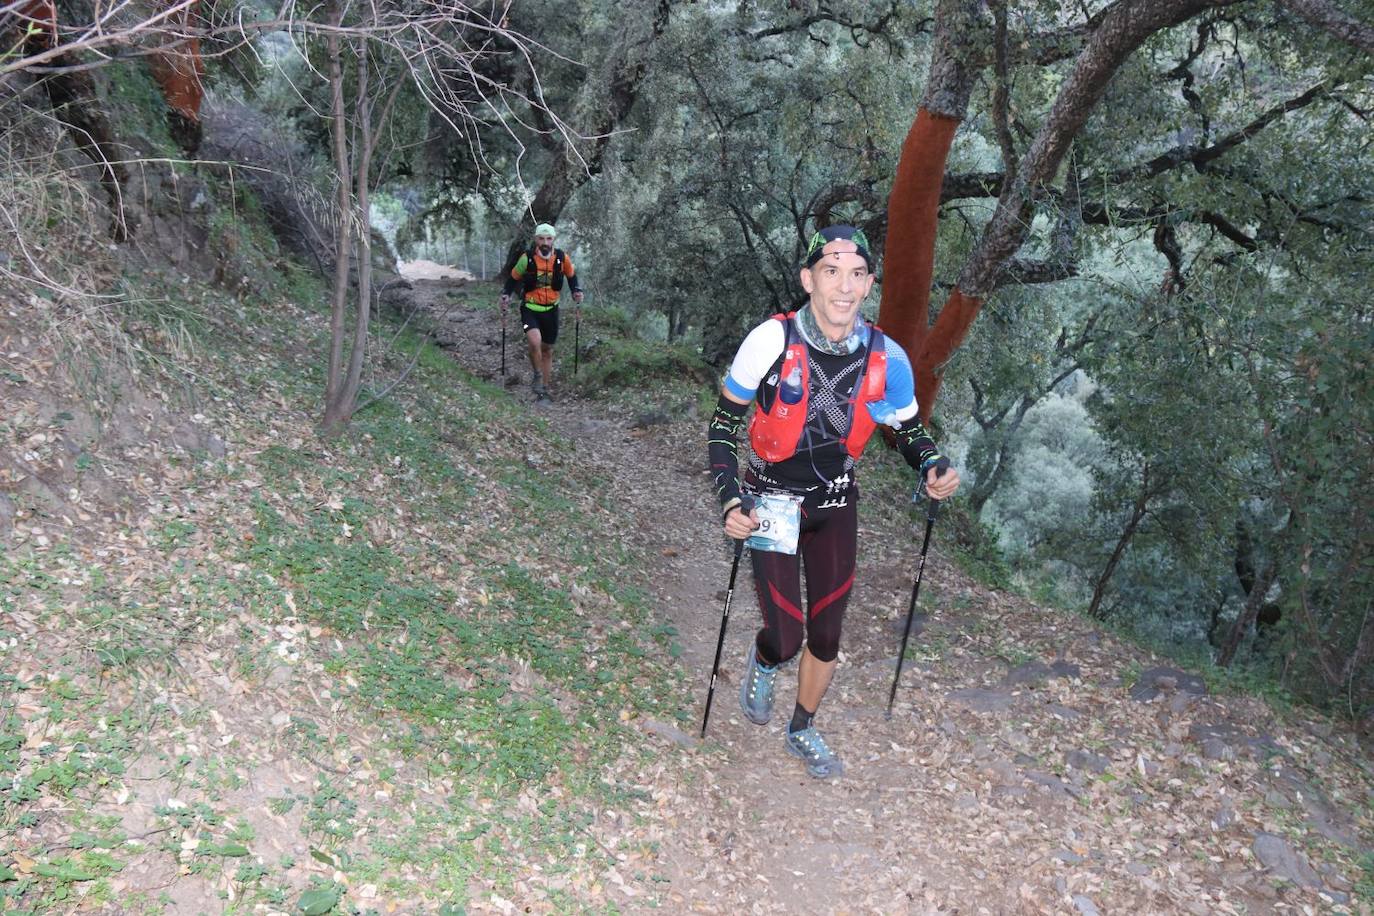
(1247, 616)
(342, 403)
(1331, 19)
(1120, 30)
(334, 416)
(682, 317)
(913, 210)
(179, 70)
(362, 177)
(1214, 621)
(989, 461)
(568, 171)
(914, 202)
(1138, 512)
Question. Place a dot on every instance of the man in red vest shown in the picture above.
(824, 378)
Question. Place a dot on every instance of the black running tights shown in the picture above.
(827, 546)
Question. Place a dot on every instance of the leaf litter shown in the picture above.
(242, 714)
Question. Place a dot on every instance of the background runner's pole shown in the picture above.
(577, 328)
(720, 641)
(932, 512)
(503, 345)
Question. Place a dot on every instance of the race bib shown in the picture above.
(779, 523)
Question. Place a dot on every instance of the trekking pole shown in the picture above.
(503, 345)
(577, 330)
(932, 512)
(745, 507)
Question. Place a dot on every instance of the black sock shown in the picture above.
(800, 719)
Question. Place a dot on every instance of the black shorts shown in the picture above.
(544, 322)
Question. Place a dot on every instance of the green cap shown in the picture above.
(545, 229)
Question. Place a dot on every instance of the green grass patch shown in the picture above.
(625, 362)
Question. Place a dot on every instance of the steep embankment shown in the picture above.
(455, 658)
(251, 668)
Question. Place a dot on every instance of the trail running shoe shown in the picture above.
(756, 690)
(821, 761)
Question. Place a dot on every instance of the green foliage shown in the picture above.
(1364, 885)
(625, 362)
(451, 600)
(975, 547)
(1229, 410)
(707, 197)
(139, 108)
(321, 899)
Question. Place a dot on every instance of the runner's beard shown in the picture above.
(544, 250)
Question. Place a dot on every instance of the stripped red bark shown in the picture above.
(913, 210)
(1118, 32)
(913, 205)
(179, 71)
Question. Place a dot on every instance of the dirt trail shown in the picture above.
(1017, 773)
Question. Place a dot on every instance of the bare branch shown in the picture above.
(971, 184)
(1335, 21)
(1001, 93)
(1200, 156)
(1166, 243)
(96, 37)
(1028, 271)
(880, 27)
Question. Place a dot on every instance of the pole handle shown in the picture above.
(941, 465)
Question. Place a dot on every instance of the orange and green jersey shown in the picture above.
(542, 294)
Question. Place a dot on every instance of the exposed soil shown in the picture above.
(421, 269)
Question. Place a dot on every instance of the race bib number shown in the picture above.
(779, 523)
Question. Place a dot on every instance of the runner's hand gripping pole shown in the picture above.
(932, 512)
(746, 504)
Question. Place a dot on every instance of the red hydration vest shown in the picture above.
(774, 432)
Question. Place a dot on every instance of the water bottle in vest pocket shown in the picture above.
(774, 433)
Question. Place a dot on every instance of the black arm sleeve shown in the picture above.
(916, 445)
(722, 440)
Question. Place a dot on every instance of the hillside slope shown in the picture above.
(453, 660)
